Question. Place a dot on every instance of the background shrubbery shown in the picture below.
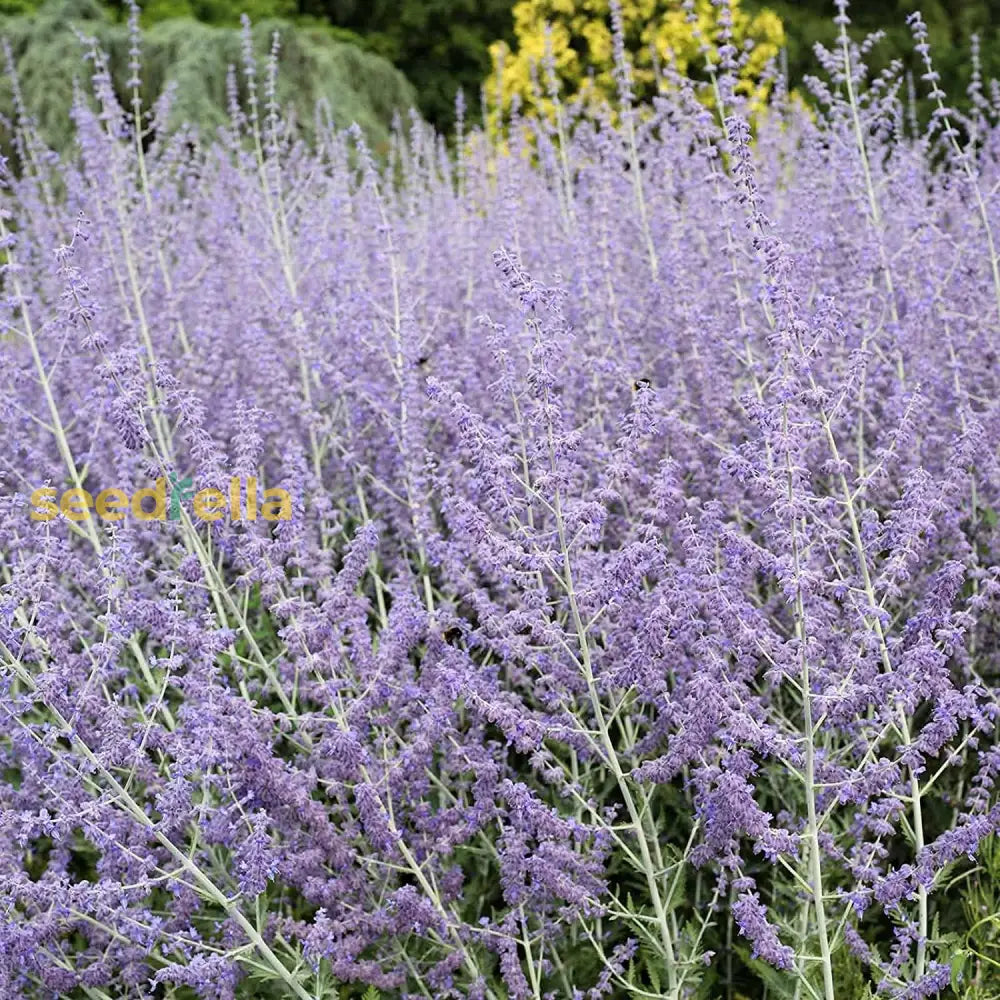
(189, 62)
(442, 46)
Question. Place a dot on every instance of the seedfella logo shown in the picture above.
(244, 501)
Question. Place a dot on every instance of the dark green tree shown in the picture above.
(951, 26)
(440, 45)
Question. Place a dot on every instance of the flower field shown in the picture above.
(624, 622)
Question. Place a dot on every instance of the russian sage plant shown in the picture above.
(631, 626)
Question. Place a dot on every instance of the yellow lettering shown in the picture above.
(159, 495)
(41, 500)
(111, 504)
(209, 504)
(277, 498)
(76, 504)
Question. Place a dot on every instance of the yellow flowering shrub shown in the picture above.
(657, 33)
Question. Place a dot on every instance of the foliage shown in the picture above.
(633, 628)
(951, 29)
(226, 13)
(194, 59)
(442, 46)
(576, 39)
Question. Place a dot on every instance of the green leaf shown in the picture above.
(779, 984)
(676, 882)
(651, 962)
(958, 967)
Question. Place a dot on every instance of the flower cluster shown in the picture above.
(634, 628)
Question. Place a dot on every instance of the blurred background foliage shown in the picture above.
(952, 24)
(577, 41)
(316, 64)
(346, 50)
(441, 45)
